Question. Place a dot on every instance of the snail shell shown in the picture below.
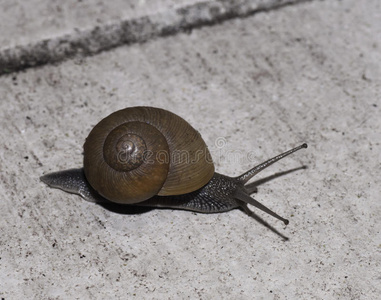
(139, 152)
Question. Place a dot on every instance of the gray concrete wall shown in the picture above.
(307, 72)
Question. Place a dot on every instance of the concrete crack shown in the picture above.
(124, 32)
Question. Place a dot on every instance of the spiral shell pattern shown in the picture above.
(139, 152)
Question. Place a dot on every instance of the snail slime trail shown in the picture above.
(116, 169)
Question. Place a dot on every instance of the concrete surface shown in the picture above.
(308, 72)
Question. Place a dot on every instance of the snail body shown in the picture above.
(151, 157)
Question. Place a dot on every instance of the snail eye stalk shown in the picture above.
(245, 177)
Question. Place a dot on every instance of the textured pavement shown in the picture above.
(254, 83)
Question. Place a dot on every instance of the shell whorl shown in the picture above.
(124, 150)
(138, 152)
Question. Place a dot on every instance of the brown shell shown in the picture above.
(139, 152)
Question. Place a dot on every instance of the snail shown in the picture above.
(149, 156)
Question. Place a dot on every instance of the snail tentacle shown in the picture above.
(245, 177)
(241, 195)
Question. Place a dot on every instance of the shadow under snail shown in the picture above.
(149, 156)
